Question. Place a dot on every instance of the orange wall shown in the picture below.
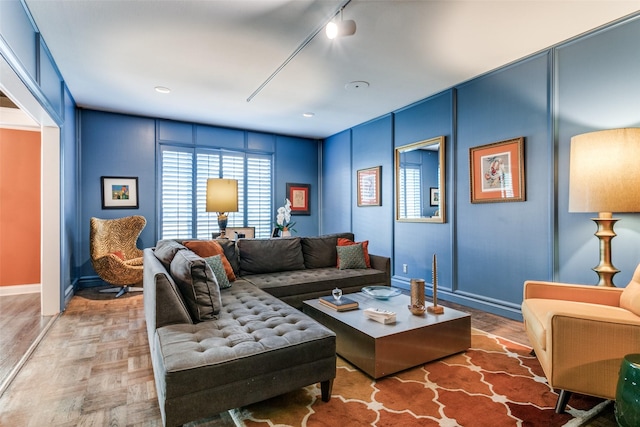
(19, 207)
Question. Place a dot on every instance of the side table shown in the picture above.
(627, 407)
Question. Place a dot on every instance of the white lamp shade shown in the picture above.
(604, 171)
(222, 195)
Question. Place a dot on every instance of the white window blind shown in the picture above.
(207, 166)
(259, 195)
(410, 196)
(177, 189)
(184, 191)
(233, 168)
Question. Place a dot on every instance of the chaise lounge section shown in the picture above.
(255, 346)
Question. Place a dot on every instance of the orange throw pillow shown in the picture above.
(365, 248)
(207, 248)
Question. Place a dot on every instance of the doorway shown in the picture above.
(50, 301)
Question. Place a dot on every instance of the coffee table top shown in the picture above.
(405, 321)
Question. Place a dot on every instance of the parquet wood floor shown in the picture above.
(20, 327)
(94, 369)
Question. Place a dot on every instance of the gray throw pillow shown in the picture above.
(215, 262)
(197, 284)
(270, 255)
(165, 250)
(350, 257)
(319, 252)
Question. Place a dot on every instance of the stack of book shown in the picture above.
(379, 315)
(342, 304)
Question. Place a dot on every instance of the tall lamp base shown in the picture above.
(605, 233)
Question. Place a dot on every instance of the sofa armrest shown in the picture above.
(572, 292)
(383, 264)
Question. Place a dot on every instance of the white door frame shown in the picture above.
(50, 261)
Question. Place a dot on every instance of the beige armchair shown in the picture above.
(580, 333)
(114, 254)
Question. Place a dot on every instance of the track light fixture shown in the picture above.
(343, 28)
(340, 28)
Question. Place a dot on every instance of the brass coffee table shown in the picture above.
(381, 350)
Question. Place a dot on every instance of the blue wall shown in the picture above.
(486, 251)
(123, 145)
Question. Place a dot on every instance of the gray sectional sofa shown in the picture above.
(253, 343)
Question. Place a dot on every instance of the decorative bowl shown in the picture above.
(380, 292)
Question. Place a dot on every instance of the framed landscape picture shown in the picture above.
(497, 172)
(298, 194)
(368, 183)
(119, 192)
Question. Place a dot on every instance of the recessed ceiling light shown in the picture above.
(356, 85)
(308, 115)
(162, 89)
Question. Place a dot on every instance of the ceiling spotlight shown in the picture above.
(162, 89)
(308, 115)
(340, 28)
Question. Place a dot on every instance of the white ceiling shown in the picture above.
(214, 54)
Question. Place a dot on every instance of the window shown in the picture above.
(184, 191)
(410, 196)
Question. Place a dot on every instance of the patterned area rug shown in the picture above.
(495, 383)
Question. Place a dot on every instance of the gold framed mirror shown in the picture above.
(420, 178)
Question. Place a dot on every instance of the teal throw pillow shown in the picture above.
(351, 257)
(215, 262)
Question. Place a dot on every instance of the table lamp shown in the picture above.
(222, 197)
(604, 177)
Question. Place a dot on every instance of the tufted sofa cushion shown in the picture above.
(255, 334)
(316, 280)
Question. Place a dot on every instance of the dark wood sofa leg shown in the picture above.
(325, 389)
(563, 399)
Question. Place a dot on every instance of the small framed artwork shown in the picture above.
(119, 192)
(368, 182)
(497, 172)
(298, 194)
(435, 196)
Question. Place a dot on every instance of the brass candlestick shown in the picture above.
(435, 308)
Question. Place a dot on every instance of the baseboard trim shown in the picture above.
(491, 306)
(20, 289)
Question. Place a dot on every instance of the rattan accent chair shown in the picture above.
(114, 254)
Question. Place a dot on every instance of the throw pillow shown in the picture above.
(319, 252)
(351, 256)
(259, 256)
(197, 284)
(165, 250)
(207, 248)
(365, 248)
(215, 262)
(630, 297)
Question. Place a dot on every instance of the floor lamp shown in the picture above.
(604, 177)
(222, 197)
